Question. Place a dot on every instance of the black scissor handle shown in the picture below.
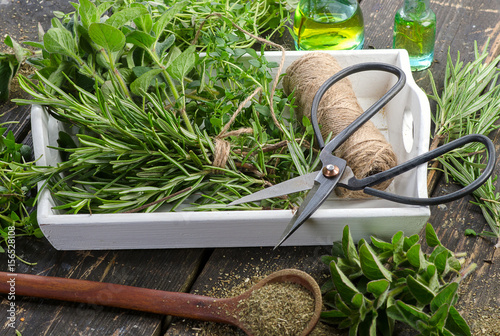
(365, 183)
(363, 118)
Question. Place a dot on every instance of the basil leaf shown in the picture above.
(106, 36)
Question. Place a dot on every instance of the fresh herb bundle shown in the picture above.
(150, 117)
(374, 285)
(16, 180)
(468, 104)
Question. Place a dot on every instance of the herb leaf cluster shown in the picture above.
(145, 111)
(376, 283)
(17, 177)
(470, 104)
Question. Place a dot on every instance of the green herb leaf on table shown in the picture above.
(410, 291)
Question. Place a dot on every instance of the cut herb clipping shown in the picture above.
(469, 103)
(374, 285)
(152, 120)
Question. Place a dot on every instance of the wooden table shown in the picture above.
(460, 23)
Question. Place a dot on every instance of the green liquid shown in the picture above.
(417, 37)
(327, 31)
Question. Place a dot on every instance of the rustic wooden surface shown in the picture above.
(216, 272)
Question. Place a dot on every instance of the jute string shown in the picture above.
(222, 147)
(367, 151)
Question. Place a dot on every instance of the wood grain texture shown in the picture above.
(228, 269)
(172, 270)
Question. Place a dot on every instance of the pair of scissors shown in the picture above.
(335, 172)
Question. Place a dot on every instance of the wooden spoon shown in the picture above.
(155, 301)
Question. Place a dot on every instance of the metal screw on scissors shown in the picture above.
(335, 172)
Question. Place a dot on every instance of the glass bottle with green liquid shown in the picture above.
(415, 31)
(328, 25)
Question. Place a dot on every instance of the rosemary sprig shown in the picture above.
(148, 112)
(469, 103)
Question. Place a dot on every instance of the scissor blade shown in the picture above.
(300, 183)
(317, 196)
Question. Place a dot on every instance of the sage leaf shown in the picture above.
(441, 262)
(60, 41)
(377, 287)
(371, 266)
(430, 236)
(345, 287)
(144, 22)
(333, 316)
(103, 7)
(447, 295)
(410, 241)
(140, 39)
(408, 314)
(420, 292)
(161, 47)
(337, 250)
(7, 71)
(348, 247)
(438, 319)
(107, 36)
(416, 257)
(341, 305)
(126, 15)
(166, 17)
(381, 244)
(19, 51)
(182, 64)
(456, 323)
(88, 13)
(141, 84)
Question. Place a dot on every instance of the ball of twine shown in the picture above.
(366, 151)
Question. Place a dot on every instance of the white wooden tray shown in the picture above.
(405, 122)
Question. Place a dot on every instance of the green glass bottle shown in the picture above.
(415, 31)
(328, 25)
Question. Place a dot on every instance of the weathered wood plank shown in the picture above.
(228, 269)
(170, 270)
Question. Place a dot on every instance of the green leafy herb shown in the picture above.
(468, 104)
(18, 176)
(150, 113)
(374, 285)
(9, 65)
